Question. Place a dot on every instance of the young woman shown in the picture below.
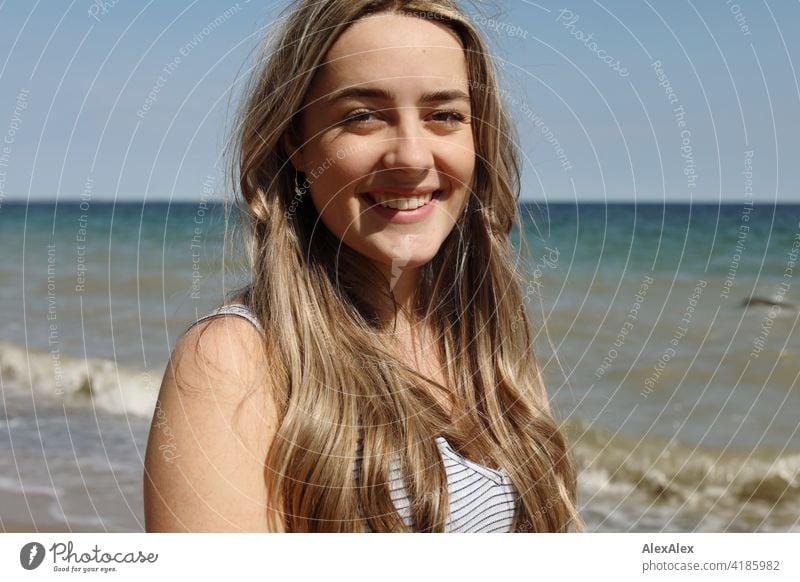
(377, 374)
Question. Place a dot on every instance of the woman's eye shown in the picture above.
(358, 117)
(363, 116)
(450, 117)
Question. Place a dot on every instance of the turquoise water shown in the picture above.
(691, 354)
(681, 401)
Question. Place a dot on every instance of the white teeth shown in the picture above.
(398, 203)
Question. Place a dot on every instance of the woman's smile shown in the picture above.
(403, 208)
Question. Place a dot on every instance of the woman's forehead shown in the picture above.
(394, 50)
(400, 31)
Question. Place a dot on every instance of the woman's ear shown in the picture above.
(293, 150)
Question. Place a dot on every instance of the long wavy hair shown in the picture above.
(340, 390)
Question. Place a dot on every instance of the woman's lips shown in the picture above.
(402, 216)
(368, 195)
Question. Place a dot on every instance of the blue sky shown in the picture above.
(586, 81)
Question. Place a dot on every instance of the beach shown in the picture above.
(667, 336)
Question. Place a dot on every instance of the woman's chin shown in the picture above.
(396, 265)
(402, 260)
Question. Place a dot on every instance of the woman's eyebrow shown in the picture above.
(383, 94)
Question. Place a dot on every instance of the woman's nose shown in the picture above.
(409, 149)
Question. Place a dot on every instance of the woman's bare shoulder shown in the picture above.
(225, 343)
(214, 422)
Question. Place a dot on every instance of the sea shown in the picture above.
(666, 334)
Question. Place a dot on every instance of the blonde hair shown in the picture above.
(335, 379)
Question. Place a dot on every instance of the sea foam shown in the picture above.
(88, 382)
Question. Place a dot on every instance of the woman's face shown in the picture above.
(387, 118)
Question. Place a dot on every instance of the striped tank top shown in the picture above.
(481, 499)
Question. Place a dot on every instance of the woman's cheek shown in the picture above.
(340, 169)
(356, 160)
